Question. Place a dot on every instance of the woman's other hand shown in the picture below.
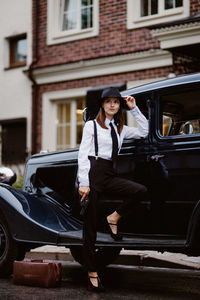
(83, 191)
(130, 101)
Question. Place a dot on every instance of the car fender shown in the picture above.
(31, 218)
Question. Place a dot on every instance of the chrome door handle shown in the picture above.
(155, 157)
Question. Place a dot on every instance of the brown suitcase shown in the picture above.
(37, 273)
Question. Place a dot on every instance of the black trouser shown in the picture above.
(104, 179)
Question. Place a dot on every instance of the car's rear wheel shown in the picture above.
(104, 255)
(9, 249)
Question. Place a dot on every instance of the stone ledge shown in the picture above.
(126, 257)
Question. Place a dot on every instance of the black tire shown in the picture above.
(104, 255)
(9, 250)
(21, 252)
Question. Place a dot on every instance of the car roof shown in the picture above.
(54, 157)
(170, 82)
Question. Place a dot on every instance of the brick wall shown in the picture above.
(194, 7)
(113, 37)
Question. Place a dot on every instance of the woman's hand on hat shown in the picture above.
(130, 101)
(83, 191)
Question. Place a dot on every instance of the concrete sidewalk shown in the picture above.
(131, 257)
(136, 270)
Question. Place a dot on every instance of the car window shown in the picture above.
(180, 113)
(55, 178)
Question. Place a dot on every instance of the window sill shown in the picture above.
(15, 66)
(64, 36)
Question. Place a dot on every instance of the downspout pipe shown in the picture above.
(35, 58)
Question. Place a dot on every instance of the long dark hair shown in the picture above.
(118, 119)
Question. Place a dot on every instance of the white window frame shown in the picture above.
(54, 33)
(73, 123)
(134, 19)
(49, 115)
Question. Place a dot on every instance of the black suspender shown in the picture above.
(114, 139)
(95, 139)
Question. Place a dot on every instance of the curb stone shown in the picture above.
(137, 270)
(126, 257)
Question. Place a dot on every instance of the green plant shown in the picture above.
(19, 183)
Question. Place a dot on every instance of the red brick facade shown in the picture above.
(194, 7)
(113, 39)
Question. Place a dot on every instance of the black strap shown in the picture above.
(95, 139)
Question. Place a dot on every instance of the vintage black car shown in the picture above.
(47, 211)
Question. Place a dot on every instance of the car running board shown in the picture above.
(104, 239)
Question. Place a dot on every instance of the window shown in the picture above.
(77, 14)
(13, 133)
(180, 114)
(148, 12)
(173, 3)
(71, 20)
(149, 7)
(69, 123)
(17, 50)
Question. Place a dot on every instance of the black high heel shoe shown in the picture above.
(115, 236)
(92, 288)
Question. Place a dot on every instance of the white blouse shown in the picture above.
(105, 142)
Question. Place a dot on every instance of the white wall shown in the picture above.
(15, 87)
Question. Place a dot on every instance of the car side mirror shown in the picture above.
(7, 175)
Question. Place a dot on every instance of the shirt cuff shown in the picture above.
(84, 182)
(135, 111)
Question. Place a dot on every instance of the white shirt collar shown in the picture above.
(107, 121)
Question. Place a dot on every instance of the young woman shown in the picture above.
(96, 171)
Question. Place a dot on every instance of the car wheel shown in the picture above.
(104, 255)
(9, 250)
